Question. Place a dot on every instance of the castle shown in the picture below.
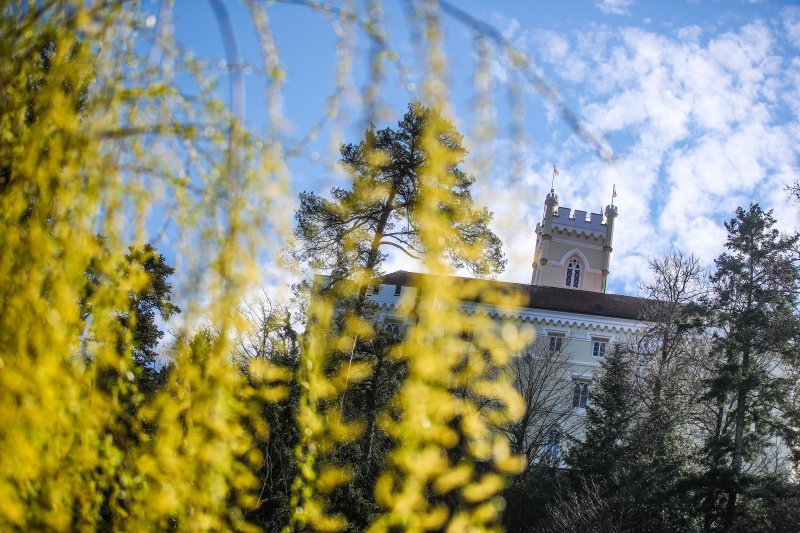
(565, 304)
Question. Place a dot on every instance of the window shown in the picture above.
(580, 394)
(397, 289)
(599, 347)
(552, 450)
(574, 273)
(554, 342)
(393, 328)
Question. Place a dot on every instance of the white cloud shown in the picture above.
(702, 122)
(615, 7)
(791, 23)
(690, 34)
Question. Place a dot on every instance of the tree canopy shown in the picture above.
(355, 226)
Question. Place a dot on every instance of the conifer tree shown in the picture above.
(153, 300)
(755, 305)
(353, 229)
(600, 459)
(609, 418)
(348, 236)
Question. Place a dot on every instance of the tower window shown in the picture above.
(574, 273)
(393, 328)
(580, 394)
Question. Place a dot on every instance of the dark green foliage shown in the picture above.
(600, 463)
(659, 449)
(366, 455)
(353, 228)
(146, 307)
(152, 301)
(271, 336)
(609, 419)
(631, 459)
(755, 304)
(528, 496)
(657, 455)
(278, 468)
(772, 505)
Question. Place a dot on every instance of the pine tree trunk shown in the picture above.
(372, 257)
(372, 404)
(736, 461)
(741, 405)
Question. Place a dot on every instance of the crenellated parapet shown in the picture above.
(573, 247)
(576, 221)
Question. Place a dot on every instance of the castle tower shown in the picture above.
(573, 251)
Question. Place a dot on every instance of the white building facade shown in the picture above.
(565, 305)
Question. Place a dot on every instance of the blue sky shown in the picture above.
(698, 101)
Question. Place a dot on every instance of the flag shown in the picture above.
(555, 171)
(614, 192)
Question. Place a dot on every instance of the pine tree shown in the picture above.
(600, 459)
(349, 234)
(755, 307)
(352, 230)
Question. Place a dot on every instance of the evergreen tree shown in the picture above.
(609, 418)
(755, 305)
(351, 231)
(348, 235)
(270, 337)
(152, 302)
(600, 460)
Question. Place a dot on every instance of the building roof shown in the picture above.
(550, 298)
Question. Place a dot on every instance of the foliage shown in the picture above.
(108, 126)
(667, 351)
(93, 138)
(391, 172)
(755, 302)
(352, 229)
(269, 335)
(660, 445)
(407, 445)
(154, 297)
(635, 453)
(609, 418)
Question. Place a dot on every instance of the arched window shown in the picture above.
(393, 328)
(574, 273)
